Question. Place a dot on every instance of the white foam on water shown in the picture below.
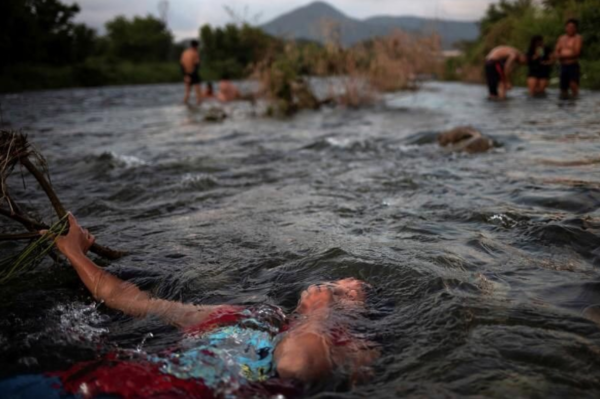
(80, 321)
(125, 161)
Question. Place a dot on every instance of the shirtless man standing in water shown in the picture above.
(190, 63)
(499, 65)
(568, 51)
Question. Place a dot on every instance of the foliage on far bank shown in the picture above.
(91, 73)
(43, 48)
(515, 22)
(46, 49)
(42, 31)
(231, 51)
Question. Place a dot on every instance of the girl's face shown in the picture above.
(346, 292)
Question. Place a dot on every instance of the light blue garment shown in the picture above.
(231, 355)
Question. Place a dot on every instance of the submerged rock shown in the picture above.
(465, 138)
(215, 114)
(592, 313)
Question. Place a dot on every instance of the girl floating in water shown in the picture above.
(227, 351)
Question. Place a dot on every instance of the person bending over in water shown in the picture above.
(539, 62)
(190, 65)
(499, 65)
(568, 51)
(228, 349)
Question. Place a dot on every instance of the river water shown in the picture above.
(486, 267)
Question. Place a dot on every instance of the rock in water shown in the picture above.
(465, 138)
(592, 313)
(215, 115)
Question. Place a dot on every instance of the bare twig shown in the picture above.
(29, 224)
(17, 237)
(41, 179)
(16, 149)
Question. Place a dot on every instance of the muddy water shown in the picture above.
(486, 267)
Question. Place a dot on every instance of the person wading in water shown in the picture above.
(568, 51)
(190, 65)
(539, 63)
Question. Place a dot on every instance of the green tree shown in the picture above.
(231, 50)
(590, 29)
(42, 31)
(139, 40)
(496, 13)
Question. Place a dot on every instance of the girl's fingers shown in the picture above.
(72, 220)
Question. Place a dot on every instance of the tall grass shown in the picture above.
(398, 59)
(357, 73)
(14, 266)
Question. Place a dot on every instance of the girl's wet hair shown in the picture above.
(573, 21)
(536, 41)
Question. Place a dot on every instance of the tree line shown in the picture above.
(43, 47)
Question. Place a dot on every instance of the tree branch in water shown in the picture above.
(14, 150)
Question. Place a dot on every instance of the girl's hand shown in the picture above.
(77, 242)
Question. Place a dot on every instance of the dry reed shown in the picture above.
(357, 74)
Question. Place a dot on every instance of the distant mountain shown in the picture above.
(310, 22)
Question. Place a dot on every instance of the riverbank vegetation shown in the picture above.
(44, 48)
(514, 22)
(354, 76)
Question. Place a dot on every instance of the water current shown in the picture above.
(486, 267)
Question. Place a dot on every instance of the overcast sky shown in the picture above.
(186, 16)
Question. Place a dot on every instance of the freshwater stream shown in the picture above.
(486, 267)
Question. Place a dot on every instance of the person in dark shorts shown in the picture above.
(499, 65)
(568, 50)
(190, 65)
(539, 61)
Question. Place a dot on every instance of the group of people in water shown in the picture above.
(500, 65)
(502, 61)
(190, 67)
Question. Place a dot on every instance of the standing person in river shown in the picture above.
(499, 66)
(190, 65)
(228, 349)
(539, 60)
(568, 50)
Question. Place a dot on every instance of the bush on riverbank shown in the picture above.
(358, 73)
(91, 73)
